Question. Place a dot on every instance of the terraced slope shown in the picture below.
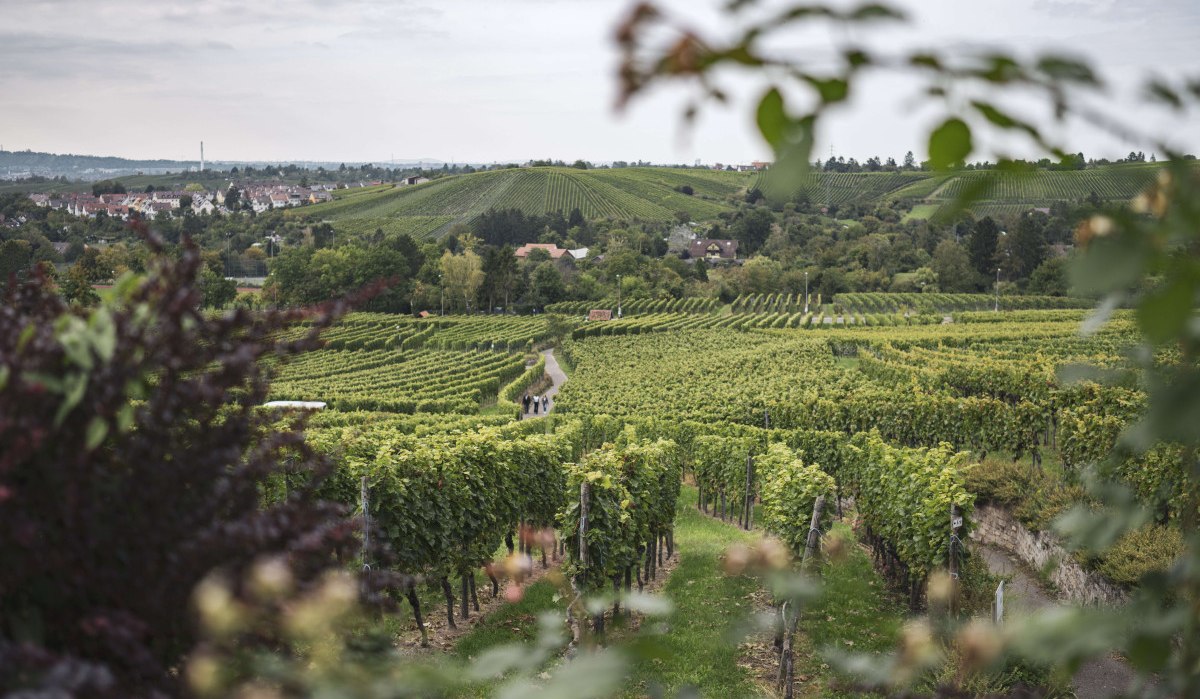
(1007, 193)
(843, 188)
(649, 194)
(1017, 192)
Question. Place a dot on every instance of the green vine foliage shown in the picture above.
(905, 497)
(720, 465)
(633, 490)
(443, 503)
(789, 488)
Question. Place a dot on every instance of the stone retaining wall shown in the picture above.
(1039, 550)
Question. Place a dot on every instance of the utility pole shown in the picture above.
(806, 291)
(997, 308)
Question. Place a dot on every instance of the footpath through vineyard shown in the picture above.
(1102, 678)
(556, 374)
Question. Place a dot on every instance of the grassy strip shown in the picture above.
(698, 649)
(511, 623)
(855, 613)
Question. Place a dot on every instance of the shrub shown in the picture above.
(133, 465)
(1142, 551)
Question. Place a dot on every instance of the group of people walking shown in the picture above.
(535, 402)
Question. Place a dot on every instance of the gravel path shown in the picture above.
(556, 374)
(1100, 678)
(557, 377)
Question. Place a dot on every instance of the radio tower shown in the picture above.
(202, 156)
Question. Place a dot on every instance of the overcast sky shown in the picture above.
(489, 80)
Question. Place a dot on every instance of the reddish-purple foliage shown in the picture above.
(100, 549)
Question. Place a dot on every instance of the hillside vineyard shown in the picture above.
(893, 415)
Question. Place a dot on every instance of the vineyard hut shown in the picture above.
(712, 249)
(599, 314)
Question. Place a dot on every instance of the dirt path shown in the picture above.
(1101, 678)
(557, 377)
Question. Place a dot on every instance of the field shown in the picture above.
(648, 194)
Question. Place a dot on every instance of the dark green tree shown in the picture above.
(1028, 245)
(752, 229)
(548, 285)
(982, 246)
(953, 267)
(500, 275)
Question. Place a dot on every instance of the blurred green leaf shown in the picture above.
(652, 605)
(1108, 264)
(494, 662)
(949, 144)
(1067, 69)
(97, 430)
(1163, 313)
(831, 90)
(875, 12)
(772, 118)
(1150, 653)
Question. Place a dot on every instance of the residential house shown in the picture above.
(554, 251)
(712, 249)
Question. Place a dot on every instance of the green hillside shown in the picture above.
(648, 194)
(1016, 192)
(1007, 193)
(849, 188)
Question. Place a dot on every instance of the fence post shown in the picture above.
(749, 493)
(575, 613)
(786, 677)
(364, 502)
(998, 605)
(810, 545)
(584, 491)
(955, 522)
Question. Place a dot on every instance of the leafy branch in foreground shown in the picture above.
(133, 464)
(1157, 240)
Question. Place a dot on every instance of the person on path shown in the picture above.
(525, 403)
(535, 405)
(545, 404)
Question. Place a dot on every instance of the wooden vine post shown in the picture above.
(576, 615)
(956, 522)
(787, 668)
(749, 505)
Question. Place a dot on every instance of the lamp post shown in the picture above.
(1008, 253)
(618, 297)
(806, 291)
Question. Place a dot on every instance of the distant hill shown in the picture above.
(1017, 192)
(648, 194)
(89, 168)
(1007, 193)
